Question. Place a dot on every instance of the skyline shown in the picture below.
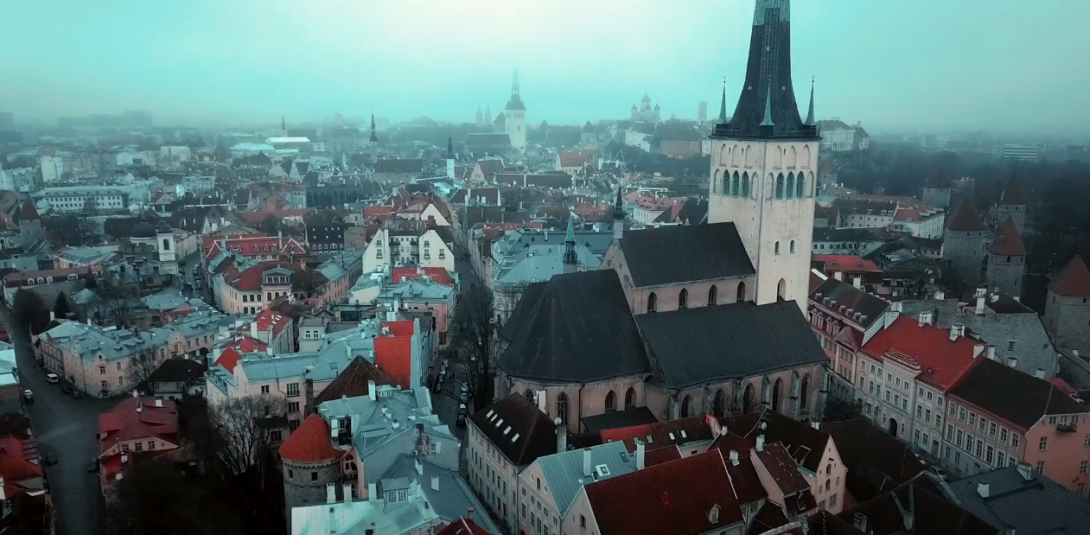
(195, 64)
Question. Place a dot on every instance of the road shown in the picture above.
(66, 427)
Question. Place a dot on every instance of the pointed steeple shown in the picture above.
(768, 109)
(283, 127)
(723, 104)
(450, 146)
(618, 216)
(374, 136)
(569, 242)
(810, 113)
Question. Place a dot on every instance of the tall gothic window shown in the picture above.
(630, 398)
(734, 186)
(686, 406)
(804, 391)
(790, 190)
(779, 186)
(720, 403)
(801, 186)
(562, 407)
(652, 302)
(683, 298)
(777, 395)
(740, 294)
(712, 294)
(745, 185)
(611, 401)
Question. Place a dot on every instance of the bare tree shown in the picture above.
(114, 304)
(473, 328)
(141, 365)
(245, 430)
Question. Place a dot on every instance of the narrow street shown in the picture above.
(67, 428)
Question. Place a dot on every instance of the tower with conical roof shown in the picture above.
(1007, 260)
(618, 216)
(571, 260)
(450, 156)
(372, 142)
(487, 115)
(764, 160)
(516, 115)
(1067, 306)
(30, 224)
(938, 189)
(963, 246)
(1012, 204)
(283, 127)
(311, 464)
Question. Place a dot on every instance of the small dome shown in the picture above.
(143, 230)
(646, 99)
(656, 107)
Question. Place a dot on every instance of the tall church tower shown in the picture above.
(450, 156)
(516, 116)
(764, 161)
(373, 141)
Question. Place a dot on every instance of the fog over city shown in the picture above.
(1000, 65)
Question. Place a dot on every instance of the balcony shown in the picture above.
(1067, 429)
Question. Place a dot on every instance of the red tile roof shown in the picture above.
(938, 179)
(310, 443)
(229, 359)
(15, 466)
(1013, 194)
(400, 328)
(393, 356)
(250, 279)
(843, 262)
(29, 212)
(662, 434)
(661, 455)
(674, 497)
(255, 218)
(941, 362)
(1008, 242)
(124, 422)
(245, 344)
(271, 319)
(254, 245)
(1073, 280)
(577, 158)
(463, 526)
(965, 217)
(402, 274)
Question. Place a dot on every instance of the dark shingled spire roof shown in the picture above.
(965, 217)
(1008, 242)
(810, 113)
(1013, 194)
(374, 136)
(1073, 280)
(29, 212)
(768, 81)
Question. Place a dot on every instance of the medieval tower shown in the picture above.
(764, 161)
(1012, 204)
(516, 116)
(1007, 260)
(963, 245)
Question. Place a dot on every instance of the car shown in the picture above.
(52, 378)
(92, 464)
(937, 471)
(49, 458)
(28, 396)
(74, 393)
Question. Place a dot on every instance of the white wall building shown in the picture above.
(52, 168)
(76, 199)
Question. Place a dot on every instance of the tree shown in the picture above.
(141, 365)
(269, 225)
(244, 430)
(472, 331)
(61, 308)
(30, 313)
(69, 230)
(113, 304)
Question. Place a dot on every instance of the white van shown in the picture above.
(52, 378)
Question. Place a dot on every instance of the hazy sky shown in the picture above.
(1013, 65)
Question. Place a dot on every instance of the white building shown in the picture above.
(199, 184)
(52, 168)
(838, 136)
(409, 245)
(78, 198)
(516, 116)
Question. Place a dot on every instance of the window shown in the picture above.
(792, 247)
(105, 385)
(652, 302)
(562, 407)
(991, 429)
(611, 401)
(1083, 467)
(683, 298)
(1086, 441)
(1014, 440)
(102, 370)
(1003, 435)
(1040, 467)
(1043, 445)
(712, 295)
(582, 521)
(776, 248)
(972, 419)
(264, 389)
(293, 407)
(314, 476)
(740, 293)
(1010, 345)
(630, 398)
(293, 389)
(139, 446)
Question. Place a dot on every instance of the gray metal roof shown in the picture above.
(1027, 505)
(564, 471)
(450, 497)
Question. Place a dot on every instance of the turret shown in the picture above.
(571, 260)
(618, 216)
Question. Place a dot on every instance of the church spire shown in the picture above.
(569, 242)
(723, 104)
(374, 136)
(450, 146)
(515, 83)
(283, 127)
(810, 113)
(618, 216)
(768, 109)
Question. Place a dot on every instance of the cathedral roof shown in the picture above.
(500, 119)
(684, 253)
(1008, 242)
(965, 217)
(1013, 194)
(766, 107)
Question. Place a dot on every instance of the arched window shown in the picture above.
(804, 391)
(712, 294)
(779, 186)
(792, 246)
(529, 395)
(776, 248)
(269, 295)
(683, 298)
(166, 245)
(562, 407)
(801, 186)
(611, 401)
(720, 403)
(740, 294)
(749, 399)
(790, 190)
(630, 398)
(777, 394)
(735, 187)
(652, 302)
(686, 406)
(715, 182)
(781, 290)
(745, 185)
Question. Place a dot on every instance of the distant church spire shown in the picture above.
(373, 140)
(283, 127)
(515, 83)
(723, 104)
(569, 244)
(810, 114)
(618, 216)
(450, 146)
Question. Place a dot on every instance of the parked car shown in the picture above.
(52, 378)
(28, 396)
(76, 394)
(463, 412)
(937, 471)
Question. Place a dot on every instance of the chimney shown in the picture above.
(940, 296)
(640, 451)
(953, 333)
(469, 514)
(371, 389)
(980, 306)
(372, 492)
(984, 489)
(561, 436)
(839, 275)
(859, 520)
(995, 297)
(978, 350)
(541, 401)
(890, 316)
(158, 402)
(347, 492)
(3, 494)
(815, 424)
(330, 493)
(419, 467)
(981, 292)
(1040, 373)
(761, 442)
(52, 315)
(857, 282)
(587, 468)
(991, 352)
(124, 458)
(435, 483)
(734, 457)
(1012, 362)
(1025, 471)
(925, 318)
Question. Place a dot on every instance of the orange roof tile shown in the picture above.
(310, 443)
(1008, 242)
